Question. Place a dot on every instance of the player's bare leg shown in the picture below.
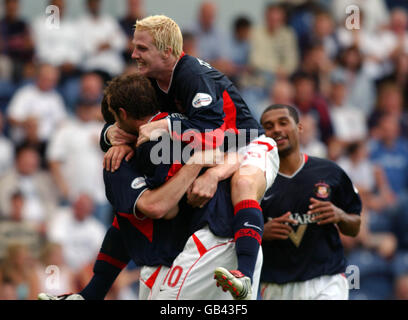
(248, 183)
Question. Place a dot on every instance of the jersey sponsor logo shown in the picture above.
(322, 190)
(202, 100)
(138, 183)
(296, 237)
(302, 221)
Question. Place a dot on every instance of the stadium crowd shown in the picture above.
(350, 86)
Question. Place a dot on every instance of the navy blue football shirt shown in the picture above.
(311, 250)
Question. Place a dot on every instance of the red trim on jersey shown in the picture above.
(144, 225)
(247, 204)
(159, 116)
(248, 233)
(268, 145)
(152, 279)
(115, 262)
(200, 247)
(175, 167)
(115, 223)
(215, 138)
(230, 120)
(306, 157)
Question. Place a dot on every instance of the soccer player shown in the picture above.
(311, 201)
(212, 228)
(213, 114)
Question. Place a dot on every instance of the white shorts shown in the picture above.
(333, 287)
(192, 275)
(262, 153)
(150, 280)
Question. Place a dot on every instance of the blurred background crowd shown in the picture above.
(350, 86)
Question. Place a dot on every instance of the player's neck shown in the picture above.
(164, 79)
(291, 163)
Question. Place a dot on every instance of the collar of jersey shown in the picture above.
(172, 73)
(305, 158)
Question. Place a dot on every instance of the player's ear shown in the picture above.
(167, 52)
(300, 127)
(122, 114)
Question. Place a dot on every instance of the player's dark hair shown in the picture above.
(242, 22)
(293, 112)
(107, 115)
(135, 94)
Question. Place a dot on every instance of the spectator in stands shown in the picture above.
(135, 11)
(212, 44)
(6, 149)
(349, 122)
(75, 158)
(274, 47)
(60, 46)
(317, 64)
(16, 229)
(281, 92)
(79, 233)
(17, 269)
(103, 41)
(361, 90)
(190, 44)
(308, 100)
(390, 151)
(322, 32)
(36, 110)
(240, 47)
(35, 185)
(390, 101)
(309, 142)
(15, 39)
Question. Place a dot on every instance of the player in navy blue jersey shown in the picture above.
(311, 201)
(212, 228)
(211, 113)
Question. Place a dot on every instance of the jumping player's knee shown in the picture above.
(247, 183)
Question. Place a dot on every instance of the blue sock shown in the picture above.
(248, 229)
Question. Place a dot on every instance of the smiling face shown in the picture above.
(282, 127)
(150, 61)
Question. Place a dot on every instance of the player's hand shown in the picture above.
(117, 136)
(279, 228)
(151, 131)
(328, 212)
(202, 190)
(115, 155)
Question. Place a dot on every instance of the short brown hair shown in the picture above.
(133, 93)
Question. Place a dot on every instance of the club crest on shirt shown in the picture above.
(322, 190)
